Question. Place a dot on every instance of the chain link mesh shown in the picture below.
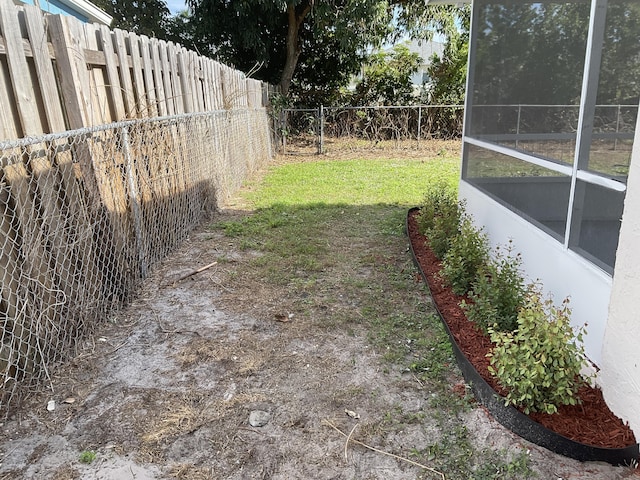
(84, 216)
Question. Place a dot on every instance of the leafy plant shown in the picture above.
(387, 78)
(540, 362)
(467, 254)
(87, 456)
(498, 293)
(439, 217)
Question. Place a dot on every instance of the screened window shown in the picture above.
(545, 138)
(537, 193)
(527, 75)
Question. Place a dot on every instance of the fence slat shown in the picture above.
(72, 72)
(19, 69)
(113, 78)
(44, 67)
(157, 77)
(9, 269)
(125, 74)
(165, 69)
(40, 312)
(140, 98)
(13, 306)
(186, 80)
(176, 81)
(81, 228)
(8, 128)
(197, 63)
(151, 95)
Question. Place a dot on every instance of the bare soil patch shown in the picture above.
(165, 387)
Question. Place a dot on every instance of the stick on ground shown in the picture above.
(201, 269)
(432, 470)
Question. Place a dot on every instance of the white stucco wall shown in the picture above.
(620, 374)
(562, 272)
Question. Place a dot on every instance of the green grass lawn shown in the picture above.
(353, 182)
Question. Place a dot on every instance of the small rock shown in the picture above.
(51, 405)
(259, 418)
(352, 414)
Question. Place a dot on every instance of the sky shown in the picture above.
(176, 6)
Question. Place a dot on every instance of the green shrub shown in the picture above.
(498, 293)
(439, 217)
(440, 198)
(540, 362)
(467, 254)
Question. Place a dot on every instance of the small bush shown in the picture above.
(498, 293)
(439, 217)
(467, 254)
(540, 362)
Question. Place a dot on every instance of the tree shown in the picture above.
(274, 35)
(387, 78)
(448, 73)
(144, 17)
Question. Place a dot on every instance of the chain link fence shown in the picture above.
(547, 130)
(375, 125)
(85, 215)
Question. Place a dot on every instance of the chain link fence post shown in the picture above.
(321, 131)
(135, 204)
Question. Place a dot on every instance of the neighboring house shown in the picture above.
(426, 50)
(549, 161)
(83, 10)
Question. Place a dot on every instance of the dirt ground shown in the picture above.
(172, 386)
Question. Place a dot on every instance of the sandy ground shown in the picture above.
(169, 386)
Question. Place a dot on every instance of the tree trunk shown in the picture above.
(296, 15)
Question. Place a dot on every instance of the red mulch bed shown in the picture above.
(591, 423)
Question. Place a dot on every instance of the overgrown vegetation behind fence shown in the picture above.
(375, 124)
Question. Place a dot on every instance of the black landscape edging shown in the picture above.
(520, 423)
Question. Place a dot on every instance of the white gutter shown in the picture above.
(89, 10)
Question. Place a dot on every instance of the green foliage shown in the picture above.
(448, 75)
(540, 362)
(449, 21)
(87, 456)
(144, 17)
(325, 50)
(439, 217)
(467, 255)
(387, 78)
(498, 293)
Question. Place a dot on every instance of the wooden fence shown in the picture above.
(57, 74)
(112, 147)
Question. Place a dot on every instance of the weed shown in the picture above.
(496, 468)
(436, 360)
(87, 456)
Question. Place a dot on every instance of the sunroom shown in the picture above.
(548, 162)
